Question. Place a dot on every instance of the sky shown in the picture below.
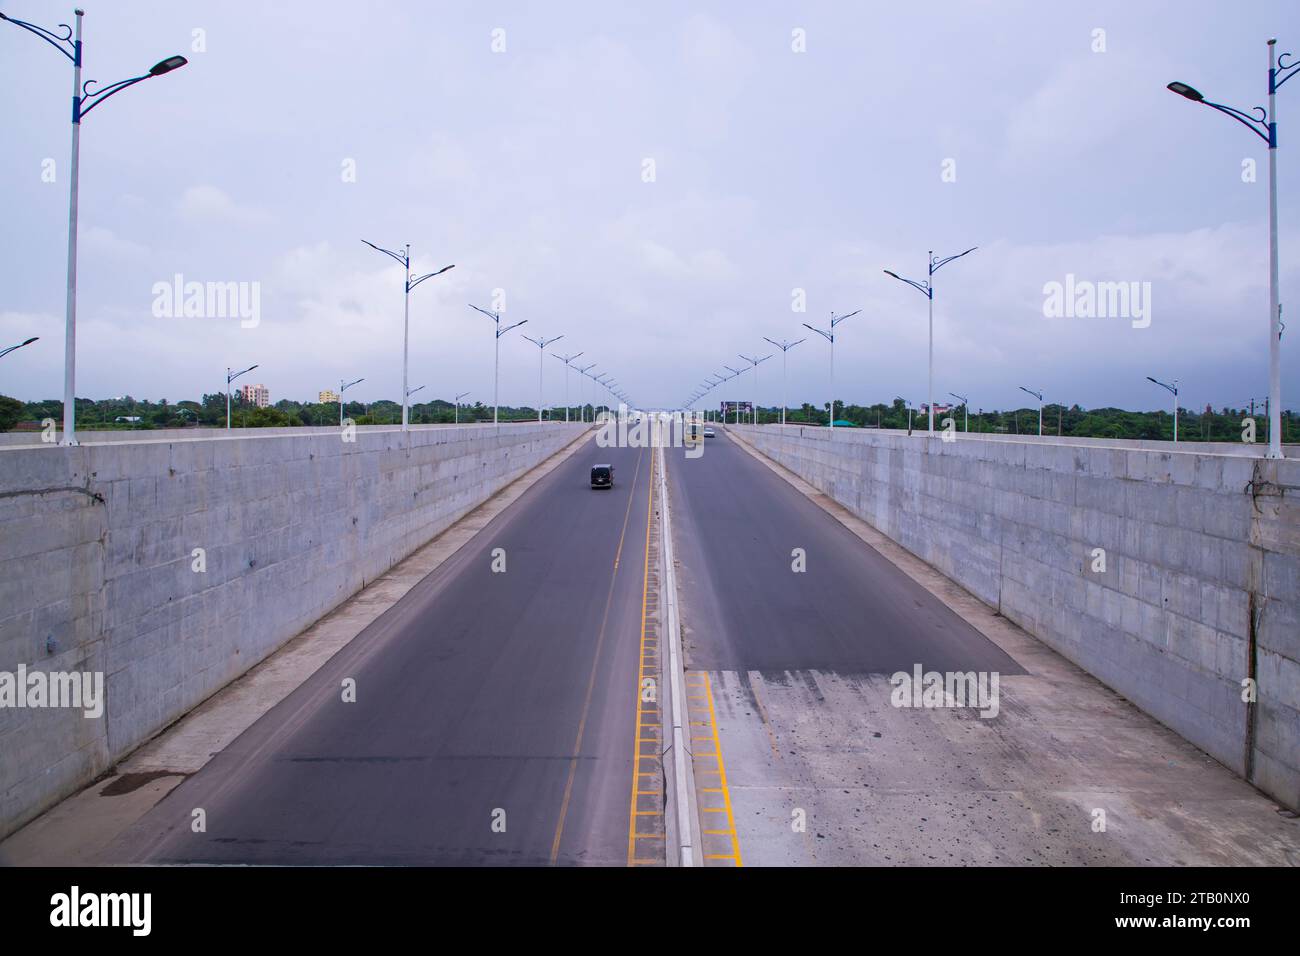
(663, 185)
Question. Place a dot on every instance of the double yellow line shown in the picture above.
(647, 747)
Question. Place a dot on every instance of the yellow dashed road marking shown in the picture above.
(646, 745)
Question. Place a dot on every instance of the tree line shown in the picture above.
(1074, 421)
(131, 413)
(1222, 425)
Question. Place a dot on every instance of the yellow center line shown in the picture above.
(637, 739)
(595, 661)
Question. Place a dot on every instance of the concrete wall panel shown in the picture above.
(96, 547)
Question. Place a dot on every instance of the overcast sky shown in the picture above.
(774, 170)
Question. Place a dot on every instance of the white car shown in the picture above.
(708, 433)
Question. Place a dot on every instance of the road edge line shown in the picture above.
(684, 812)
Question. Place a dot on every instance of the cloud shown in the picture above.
(105, 242)
(209, 204)
(775, 171)
(1089, 102)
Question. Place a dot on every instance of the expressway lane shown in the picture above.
(795, 744)
(737, 526)
(495, 711)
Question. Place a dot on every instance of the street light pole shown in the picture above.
(755, 362)
(829, 336)
(69, 44)
(404, 258)
(582, 408)
(1173, 390)
(602, 380)
(541, 342)
(412, 391)
(722, 379)
(965, 405)
(566, 359)
(343, 388)
(496, 358)
(735, 374)
(1274, 306)
(712, 385)
(458, 398)
(1265, 127)
(1038, 395)
(70, 319)
(926, 288)
(785, 347)
(230, 378)
(595, 395)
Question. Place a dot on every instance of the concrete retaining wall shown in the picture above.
(97, 553)
(1196, 545)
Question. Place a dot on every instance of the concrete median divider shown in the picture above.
(681, 811)
(1171, 573)
(170, 568)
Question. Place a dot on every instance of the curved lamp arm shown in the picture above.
(937, 264)
(64, 44)
(427, 275)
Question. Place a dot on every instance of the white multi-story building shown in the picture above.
(258, 395)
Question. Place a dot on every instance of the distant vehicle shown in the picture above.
(708, 433)
(602, 476)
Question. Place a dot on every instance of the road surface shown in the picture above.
(494, 712)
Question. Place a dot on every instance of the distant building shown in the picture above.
(258, 395)
(328, 397)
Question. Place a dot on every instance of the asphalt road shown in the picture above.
(736, 526)
(478, 692)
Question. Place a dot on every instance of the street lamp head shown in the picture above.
(32, 339)
(167, 65)
(1182, 89)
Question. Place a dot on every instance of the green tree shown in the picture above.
(11, 412)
